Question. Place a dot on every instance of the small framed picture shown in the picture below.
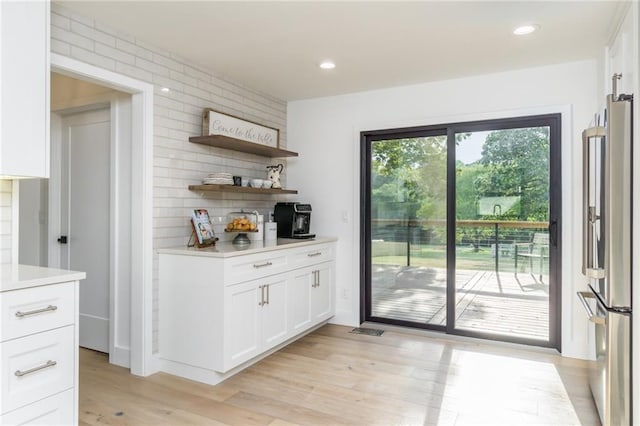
(202, 229)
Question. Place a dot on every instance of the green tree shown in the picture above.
(516, 163)
(411, 171)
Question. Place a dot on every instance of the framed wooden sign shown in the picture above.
(215, 123)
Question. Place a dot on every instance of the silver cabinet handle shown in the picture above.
(318, 253)
(583, 295)
(36, 311)
(267, 286)
(262, 265)
(316, 279)
(261, 302)
(34, 369)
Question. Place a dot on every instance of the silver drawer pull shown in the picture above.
(36, 311)
(318, 253)
(262, 265)
(34, 369)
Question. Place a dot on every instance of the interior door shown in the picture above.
(85, 218)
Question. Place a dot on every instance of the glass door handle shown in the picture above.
(553, 233)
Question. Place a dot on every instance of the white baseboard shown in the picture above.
(211, 377)
(120, 356)
(94, 333)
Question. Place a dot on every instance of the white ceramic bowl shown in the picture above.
(245, 181)
(267, 183)
(256, 183)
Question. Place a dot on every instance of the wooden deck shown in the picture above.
(502, 303)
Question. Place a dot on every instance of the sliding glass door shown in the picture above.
(460, 227)
(408, 228)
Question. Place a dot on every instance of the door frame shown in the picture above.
(557, 132)
(141, 299)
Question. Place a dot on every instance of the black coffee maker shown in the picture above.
(293, 219)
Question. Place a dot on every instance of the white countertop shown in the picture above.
(16, 277)
(227, 249)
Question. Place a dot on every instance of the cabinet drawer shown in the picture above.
(245, 268)
(311, 255)
(56, 410)
(32, 310)
(36, 366)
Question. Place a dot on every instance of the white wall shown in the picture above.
(176, 116)
(33, 212)
(6, 218)
(326, 131)
(67, 92)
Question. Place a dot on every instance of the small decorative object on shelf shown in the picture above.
(242, 222)
(273, 174)
(202, 231)
(218, 178)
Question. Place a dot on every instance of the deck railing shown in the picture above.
(410, 225)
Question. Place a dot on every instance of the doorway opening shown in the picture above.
(80, 218)
(461, 228)
(139, 235)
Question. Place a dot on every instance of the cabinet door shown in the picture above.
(36, 366)
(274, 312)
(322, 304)
(56, 410)
(24, 80)
(299, 300)
(242, 323)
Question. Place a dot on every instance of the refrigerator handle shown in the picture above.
(589, 217)
(583, 295)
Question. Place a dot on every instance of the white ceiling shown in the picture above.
(275, 47)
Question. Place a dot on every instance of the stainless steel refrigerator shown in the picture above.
(606, 255)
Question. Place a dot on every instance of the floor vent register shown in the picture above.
(367, 331)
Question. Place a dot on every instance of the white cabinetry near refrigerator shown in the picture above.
(222, 308)
(38, 345)
(24, 88)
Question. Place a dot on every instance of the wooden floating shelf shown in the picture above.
(244, 189)
(242, 146)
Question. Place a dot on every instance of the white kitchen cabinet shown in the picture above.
(299, 299)
(58, 409)
(242, 325)
(322, 289)
(273, 310)
(38, 345)
(222, 308)
(311, 295)
(256, 318)
(24, 88)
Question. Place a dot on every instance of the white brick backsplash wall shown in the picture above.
(177, 115)
(5, 220)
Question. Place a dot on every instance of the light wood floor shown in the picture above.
(334, 377)
(501, 303)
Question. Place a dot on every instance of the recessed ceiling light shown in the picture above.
(327, 65)
(525, 29)
(165, 90)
